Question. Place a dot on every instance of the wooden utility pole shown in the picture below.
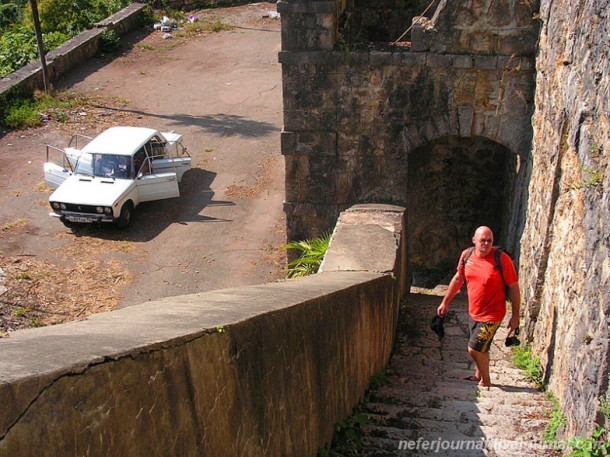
(43, 61)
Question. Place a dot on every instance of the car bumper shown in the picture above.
(83, 218)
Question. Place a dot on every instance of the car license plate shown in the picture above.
(83, 219)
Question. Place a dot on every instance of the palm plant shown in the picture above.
(312, 254)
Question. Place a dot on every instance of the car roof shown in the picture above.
(120, 140)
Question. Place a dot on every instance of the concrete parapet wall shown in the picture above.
(70, 54)
(258, 370)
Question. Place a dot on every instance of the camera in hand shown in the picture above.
(512, 340)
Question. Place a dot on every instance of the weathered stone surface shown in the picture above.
(487, 27)
(382, 225)
(565, 247)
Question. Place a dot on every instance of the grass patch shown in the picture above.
(24, 275)
(205, 26)
(532, 369)
(22, 113)
(145, 46)
(556, 420)
(21, 311)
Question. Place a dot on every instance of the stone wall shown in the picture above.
(565, 256)
(354, 117)
(251, 371)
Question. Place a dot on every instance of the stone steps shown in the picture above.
(426, 408)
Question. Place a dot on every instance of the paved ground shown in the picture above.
(427, 406)
(222, 92)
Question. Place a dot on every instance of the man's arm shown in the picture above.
(515, 300)
(454, 287)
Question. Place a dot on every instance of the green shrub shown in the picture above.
(109, 41)
(310, 259)
(147, 16)
(60, 20)
(18, 47)
(595, 446)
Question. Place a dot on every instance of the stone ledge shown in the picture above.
(405, 58)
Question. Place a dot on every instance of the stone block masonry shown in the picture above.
(351, 121)
(364, 123)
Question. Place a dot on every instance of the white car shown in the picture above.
(113, 173)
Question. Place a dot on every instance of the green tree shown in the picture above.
(67, 16)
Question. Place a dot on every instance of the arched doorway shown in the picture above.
(454, 185)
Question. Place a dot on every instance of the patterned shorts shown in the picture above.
(482, 334)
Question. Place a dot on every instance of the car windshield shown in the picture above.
(104, 165)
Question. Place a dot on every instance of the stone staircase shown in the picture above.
(426, 408)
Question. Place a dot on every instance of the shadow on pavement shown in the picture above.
(151, 218)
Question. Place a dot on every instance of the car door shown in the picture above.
(59, 165)
(157, 186)
(55, 175)
(179, 165)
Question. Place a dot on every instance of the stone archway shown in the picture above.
(454, 185)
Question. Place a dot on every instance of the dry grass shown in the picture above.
(36, 292)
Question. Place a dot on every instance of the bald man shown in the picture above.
(486, 298)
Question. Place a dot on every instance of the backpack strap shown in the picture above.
(466, 257)
(499, 252)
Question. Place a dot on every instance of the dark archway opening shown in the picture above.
(454, 186)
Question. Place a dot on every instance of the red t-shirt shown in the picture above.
(486, 294)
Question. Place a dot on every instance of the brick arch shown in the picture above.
(515, 137)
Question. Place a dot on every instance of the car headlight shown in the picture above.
(108, 210)
(62, 205)
(99, 209)
(54, 205)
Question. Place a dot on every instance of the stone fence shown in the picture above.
(70, 54)
(250, 371)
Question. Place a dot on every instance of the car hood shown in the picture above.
(87, 190)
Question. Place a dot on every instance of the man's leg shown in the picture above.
(481, 360)
(481, 336)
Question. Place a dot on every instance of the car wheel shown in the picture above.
(125, 218)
